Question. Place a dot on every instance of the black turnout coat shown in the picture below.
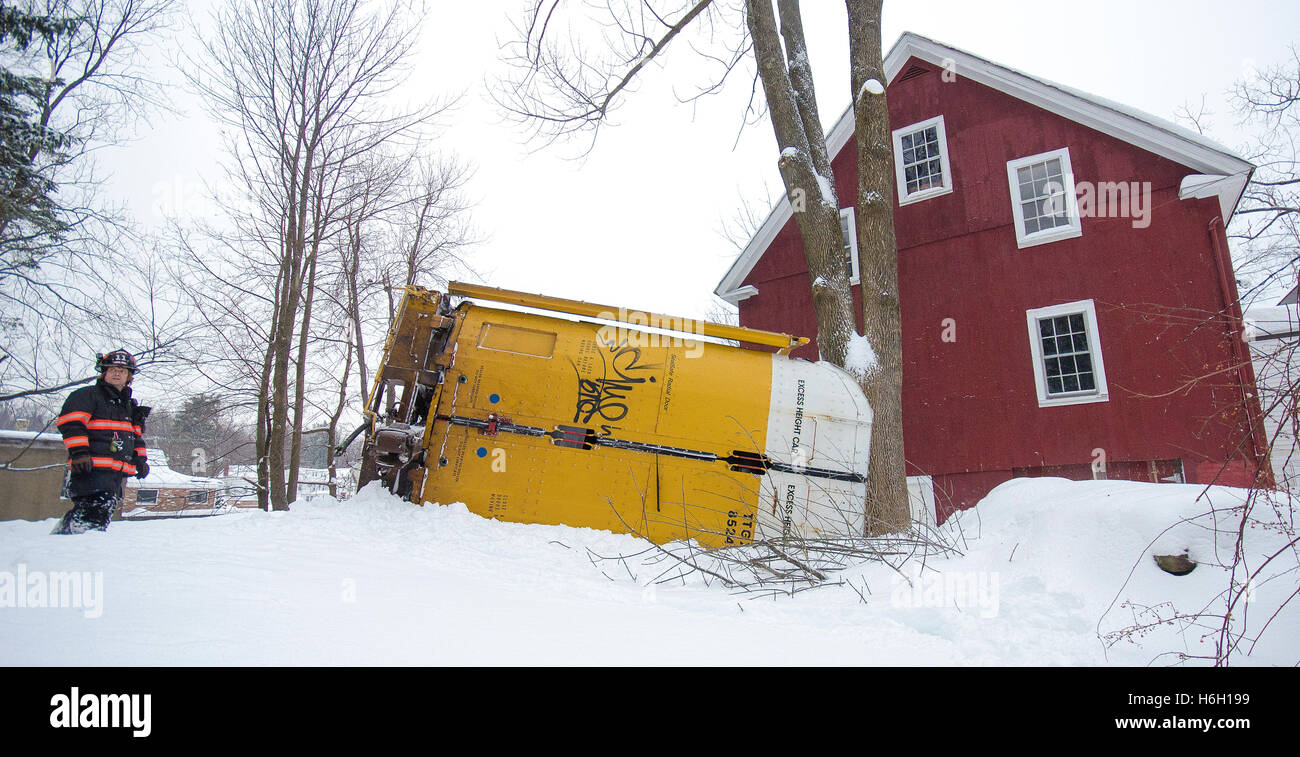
(107, 425)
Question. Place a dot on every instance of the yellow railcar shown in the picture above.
(606, 419)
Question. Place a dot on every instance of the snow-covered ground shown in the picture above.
(1050, 568)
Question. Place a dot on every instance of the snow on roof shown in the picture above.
(161, 476)
(912, 41)
(30, 435)
(305, 475)
(1125, 122)
(1263, 322)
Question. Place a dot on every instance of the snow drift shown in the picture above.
(1053, 572)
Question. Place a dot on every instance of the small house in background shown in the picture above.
(239, 486)
(168, 494)
(1273, 332)
(240, 482)
(1067, 299)
(314, 482)
(32, 477)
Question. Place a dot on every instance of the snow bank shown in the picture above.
(1078, 556)
(374, 580)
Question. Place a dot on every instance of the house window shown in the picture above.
(198, 496)
(1042, 198)
(1066, 350)
(849, 231)
(921, 161)
(146, 496)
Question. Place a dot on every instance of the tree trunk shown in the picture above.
(295, 448)
(354, 304)
(302, 171)
(330, 458)
(263, 501)
(392, 306)
(281, 342)
(887, 503)
(809, 181)
(809, 187)
(263, 438)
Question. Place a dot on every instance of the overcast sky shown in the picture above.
(636, 221)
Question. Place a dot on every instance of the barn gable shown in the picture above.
(1212, 170)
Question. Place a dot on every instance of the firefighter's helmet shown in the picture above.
(115, 359)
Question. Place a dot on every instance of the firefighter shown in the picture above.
(103, 429)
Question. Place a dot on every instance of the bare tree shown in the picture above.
(407, 223)
(378, 181)
(562, 91)
(64, 292)
(745, 220)
(431, 224)
(379, 201)
(230, 298)
(1266, 226)
(303, 85)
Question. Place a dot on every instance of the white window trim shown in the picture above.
(854, 274)
(920, 496)
(925, 194)
(1074, 229)
(1089, 311)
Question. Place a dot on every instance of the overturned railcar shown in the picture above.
(600, 418)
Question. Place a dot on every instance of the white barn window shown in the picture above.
(849, 232)
(921, 161)
(1066, 349)
(1042, 198)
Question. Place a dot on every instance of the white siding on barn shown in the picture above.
(1274, 334)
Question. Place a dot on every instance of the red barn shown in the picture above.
(1085, 333)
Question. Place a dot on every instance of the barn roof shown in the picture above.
(27, 436)
(1221, 173)
(1270, 322)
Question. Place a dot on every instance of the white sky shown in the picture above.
(636, 222)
